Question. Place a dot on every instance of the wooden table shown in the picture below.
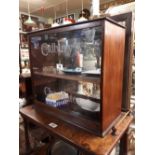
(85, 142)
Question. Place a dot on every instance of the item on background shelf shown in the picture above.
(41, 26)
(55, 24)
(68, 21)
(35, 28)
(81, 19)
(84, 15)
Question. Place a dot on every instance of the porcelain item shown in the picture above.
(88, 105)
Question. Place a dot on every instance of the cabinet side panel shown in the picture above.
(114, 44)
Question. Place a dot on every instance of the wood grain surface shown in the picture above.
(84, 141)
(113, 65)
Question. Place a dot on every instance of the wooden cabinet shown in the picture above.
(77, 73)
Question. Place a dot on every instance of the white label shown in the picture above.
(59, 66)
(53, 125)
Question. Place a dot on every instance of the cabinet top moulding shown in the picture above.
(95, 22)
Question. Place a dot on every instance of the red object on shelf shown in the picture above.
(69, 19)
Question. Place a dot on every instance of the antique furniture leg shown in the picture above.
(124, 144)
(27, 141)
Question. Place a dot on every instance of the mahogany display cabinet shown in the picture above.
(77, 73)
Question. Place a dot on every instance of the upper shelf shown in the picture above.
(61, 75)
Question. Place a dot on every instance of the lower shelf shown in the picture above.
(71, 116)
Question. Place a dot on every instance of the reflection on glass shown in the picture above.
(82, 98)
(69, 52)
(80, 48)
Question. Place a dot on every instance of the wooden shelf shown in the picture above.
(61, 75)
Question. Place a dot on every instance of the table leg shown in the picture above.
(27, 141)
(124, 144)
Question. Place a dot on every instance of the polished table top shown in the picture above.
(81, 139)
